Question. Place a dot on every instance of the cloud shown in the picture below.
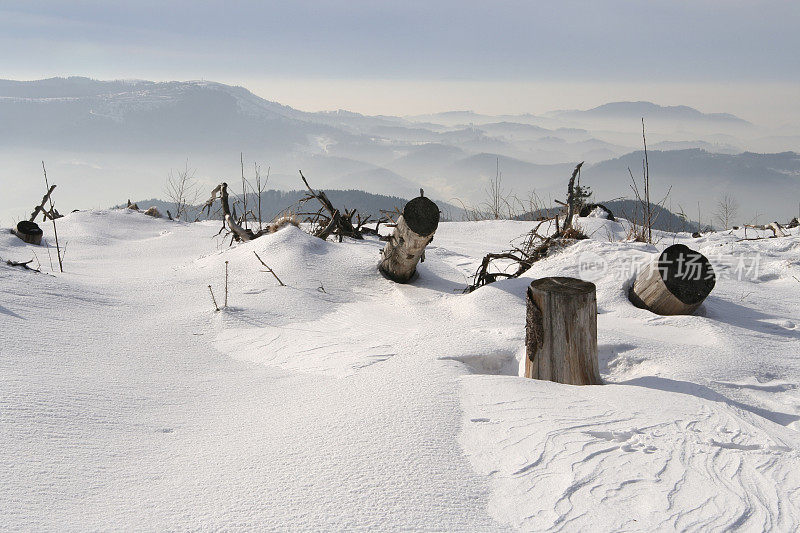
(608, 40)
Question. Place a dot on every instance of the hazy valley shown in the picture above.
(93, 134)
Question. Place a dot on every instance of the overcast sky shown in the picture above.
(734, 45)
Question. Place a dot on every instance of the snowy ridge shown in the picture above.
(346, 401)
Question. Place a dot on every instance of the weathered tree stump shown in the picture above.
(414, 230)
(561, 331)
(676, 283)
(29, 232)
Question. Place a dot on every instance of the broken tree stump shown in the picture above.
(561, 331)
(29, 232)
(414, 230)
(675, 283)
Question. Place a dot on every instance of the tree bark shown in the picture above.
(414, 230)
(675, 283)
(561, 331)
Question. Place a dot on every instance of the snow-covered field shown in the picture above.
(344, 401)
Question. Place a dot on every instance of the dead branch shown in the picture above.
(534, 247)
(237, 232)
(269, 269)
(777, 230)
(336, 223)
(23, 264)
(571, 197)
(40, 207)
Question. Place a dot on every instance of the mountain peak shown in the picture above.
(627, 110)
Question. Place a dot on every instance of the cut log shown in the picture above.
(29, 232)
(676, 283)
(414, 230)
(561, 331)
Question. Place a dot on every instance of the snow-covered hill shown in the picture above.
(345, 401)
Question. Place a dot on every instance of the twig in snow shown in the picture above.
(269, 269)
(216, 307)
(23, 264)
(52, 211)
(226, 284)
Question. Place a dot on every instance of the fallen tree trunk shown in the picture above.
(676, 283)
(414, 230)
(774, 227)
(561, 331)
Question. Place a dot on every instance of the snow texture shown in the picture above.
(344, 401)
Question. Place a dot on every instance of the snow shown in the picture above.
(346, 401)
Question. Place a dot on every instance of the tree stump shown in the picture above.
(561, 331)
(29, 232)
(414, 230)
(676, 283)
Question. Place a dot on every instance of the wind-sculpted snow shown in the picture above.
(337, 344)
(623, 457)
(344, 401)
(696, 428)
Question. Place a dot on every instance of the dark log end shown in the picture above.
(28, 228)
(421, 216)
(29, 232)
(687, 274)
(563, 285)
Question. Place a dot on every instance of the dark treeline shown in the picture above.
(275, 202)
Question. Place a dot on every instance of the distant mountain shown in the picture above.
(765, 184)
(453, 118)
(472, 174)
(758, 170)
(632, 210)
(717, 148)
(83, 114)
(427, 155)
(117, 138)
(649, 110)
